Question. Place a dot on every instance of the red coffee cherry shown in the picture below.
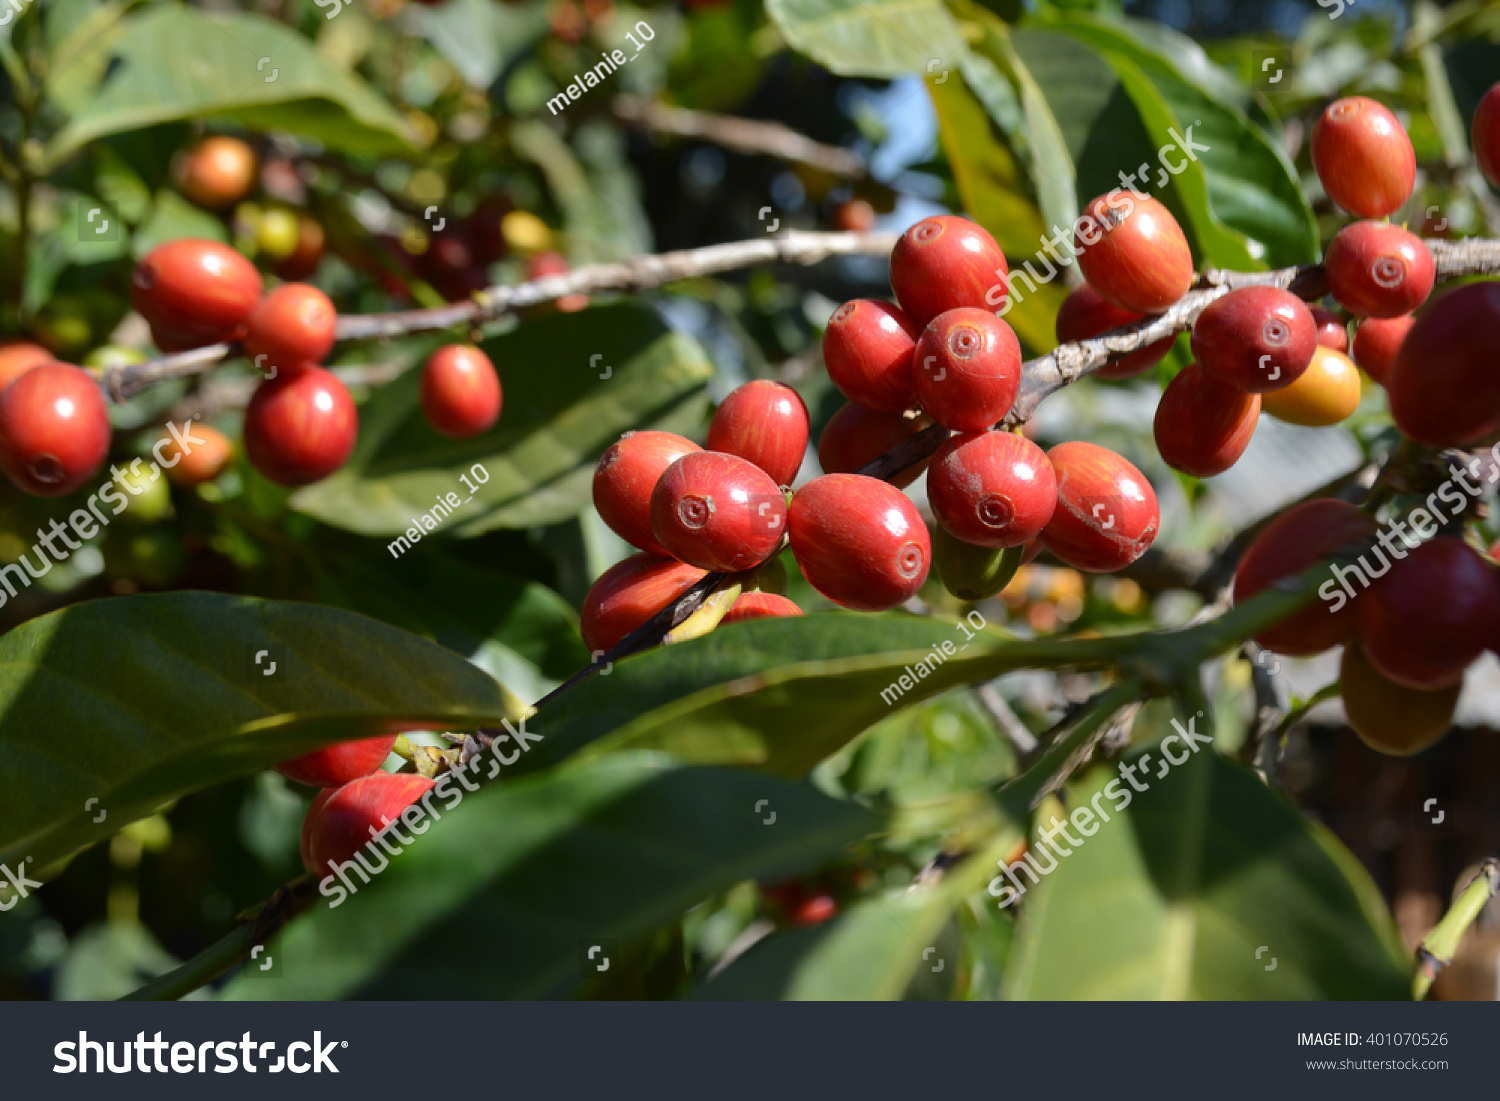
(1292, 543)
(1444, 389)
(766, 423)
(460, 391)
(1388, 717)
(855, 436)
(757, 605)
(485, 228)
(859, 541)
(291, 327)
(992, 489)
(1363, 156)
(194, 292)
(201, 462)
(1424, 622)
(544, 264)
(1377, 340)
(814, 911)
(218, 172)
(868, 349)
(1256, 339)
(945, 263)
(335, 765)
(1379, 270)
(54, 429)
(968, 369)
(626, 475)
(1486, 135)
(1332, 332)
(629, 593)
(300, 427)
(1084, 315)
(718, 512)
(339, 827)
(1132, 252)
(19, 356)
(854, 216)
(1106, 514)
(1202, 425)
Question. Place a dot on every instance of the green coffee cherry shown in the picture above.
(770, 578)
(973, 573)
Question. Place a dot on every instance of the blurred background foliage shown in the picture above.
(407, 155)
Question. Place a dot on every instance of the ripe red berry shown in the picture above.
(1424, 622)
(1363, 156)
(855, 436)
(300, 427)
(1377, 340)
(291, 327)
(1202, 425)
(1255, 339)
(1290, 544)
(813, 911)
(717, 512)
(485, 228)
(1106, 514)
(1379, 270)
(766, 423)
(758, 605)
(1084, 315)
(19, 356)
(1332, 332)
(854, 216)
(200, 462)
(334, 765)
(194, 292)
(544, 264)
(968, 369)
(868, 348)
(992, 489)
(1388, 717)
(1444, 389)
(460, 391)
(626, 475)
(1485, 134)
(218, 172)
(944, 263)
(859, 541)
(1132, 252)
(629, 593)
(341, 825)
(54, 429)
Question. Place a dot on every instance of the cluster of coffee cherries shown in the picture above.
(1410, 620)
(357, 799)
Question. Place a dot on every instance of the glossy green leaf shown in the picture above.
(539, 870)
(872, 951)
(878, 38)
(559, 416)
(173, 62)
(1241, 192)
(1205, 886)
(480, 38)
(135, 701)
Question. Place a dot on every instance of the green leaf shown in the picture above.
(871, 951)
(877, 38)
(528, 875)
(174, 63)
(172, 217)
(521, 633)
(138, 700)
(1194, 889)
(480, 38)
(782, 695)
(559, 416)
(1241, 194)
